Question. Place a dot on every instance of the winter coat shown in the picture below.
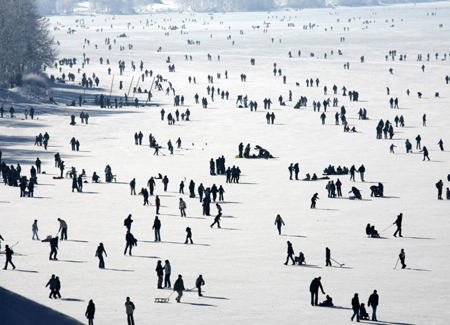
(200, 282)
(182, 204)
(52, 283)
(373, 300)
(355, 303)
(129, 307)
(315, 285)
(179, 285)
(90, 311)
(159, 270)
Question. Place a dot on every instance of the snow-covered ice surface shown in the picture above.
(242, 263)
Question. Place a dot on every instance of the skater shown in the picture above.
(63, 229)
(157, 227)
(355, 306)
(313, 200)
(441, 144)
(217, 220)
(198, 284)
(52, 284)
(401, 256)
(290, 253)
(8, 252)
(167, 270)
(53, 248)
(328, 257)
(99, 254)
(279, 222)
(35, 229)
(373, 302)
(129, 308)
(182, 207)
(159, 273)
(314, 289)
(90, 312)
(188, 236)
(179, 287)
(127, 222)
(398, 222)
(131, 241)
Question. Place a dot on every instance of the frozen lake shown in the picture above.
(242, 263)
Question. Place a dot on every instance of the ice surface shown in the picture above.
(242, 263)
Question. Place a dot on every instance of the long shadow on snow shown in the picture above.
(222, 298)
(72, 299)
(311, 266)
(423, 270)
(337, 307)
(141, 256)
(26, 271)
(294, 236)
(171, 242)
(69, 261)
(201, 305)
(419, 238)
(77, 241)
(119, 270)
(386, 322)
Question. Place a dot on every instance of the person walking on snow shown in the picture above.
(99, 254)
(35, 230)
(373, 301)
(279, 222)
(328, 257)
(290, 254)
(398, 222)
(179, 287)
(355, 307)
(90, 312)
(8, 252)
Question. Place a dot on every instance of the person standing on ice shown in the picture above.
(188, 235)
(53, 248)
(328, 257)
(168, 270)
(361, 171)
(439, 186)
(99, 254)
(179, 287)
(199, 283)
(352, 172)
(129, 308)
(159, 273)
(157, 204)
(398, 222)
(290, 253)
(133, 186)
(314, 290)
(313, 200)
(402, 256)
(182, 207)
(35, 229)
(63, 229)
(127, 222)
(157, 228)
(131, 241)
(291, 169)
(373, 302)
(279, 222)
(90, 312)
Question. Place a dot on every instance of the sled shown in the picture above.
(162, 300)
(57, 177)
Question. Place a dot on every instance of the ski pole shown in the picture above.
(396, 263)
(387, 228)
